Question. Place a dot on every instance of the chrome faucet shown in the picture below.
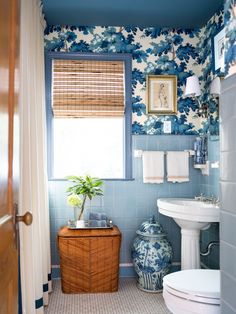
(216, 201)
(208, 199)
(199, 198)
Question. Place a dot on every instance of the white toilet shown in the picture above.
(192, 291)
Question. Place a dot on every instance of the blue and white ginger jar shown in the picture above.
(152, 256)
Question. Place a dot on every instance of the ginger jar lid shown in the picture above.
(151, 228)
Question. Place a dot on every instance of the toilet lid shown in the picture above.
(198, 282)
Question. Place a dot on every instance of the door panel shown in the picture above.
(9, 156)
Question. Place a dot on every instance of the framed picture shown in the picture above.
(161, 94)
(219, 51)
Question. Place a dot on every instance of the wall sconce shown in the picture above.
(193, 90)
(215, 87)
(192, 87)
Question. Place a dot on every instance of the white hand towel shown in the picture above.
(153, 167)
(177, 166)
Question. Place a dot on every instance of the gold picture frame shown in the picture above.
(161, 94)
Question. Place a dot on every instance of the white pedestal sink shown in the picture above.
(192, 216)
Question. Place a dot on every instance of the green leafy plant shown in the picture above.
(87, 187)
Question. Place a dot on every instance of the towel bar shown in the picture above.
(138, 152)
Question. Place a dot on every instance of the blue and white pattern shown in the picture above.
(151, 255)
(230, 36)
(205, 49)
(158, 51)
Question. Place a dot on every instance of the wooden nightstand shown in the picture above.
(89, 259)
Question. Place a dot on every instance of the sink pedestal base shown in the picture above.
(190, 249)
(192, 216)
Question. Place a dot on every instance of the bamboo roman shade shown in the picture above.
(87, 88)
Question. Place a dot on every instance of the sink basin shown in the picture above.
(192, 216)
(189, 209)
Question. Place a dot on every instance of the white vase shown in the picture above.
(80, 223)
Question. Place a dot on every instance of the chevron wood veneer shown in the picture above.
(89, 259)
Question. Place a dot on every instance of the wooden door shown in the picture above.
(9, 157)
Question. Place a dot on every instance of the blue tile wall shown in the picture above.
(210, 184)
(129, 203)
(210, 187)
(228, 196)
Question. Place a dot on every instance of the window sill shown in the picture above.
(115, 179)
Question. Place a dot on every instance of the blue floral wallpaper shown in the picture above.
(205, 50)
(158, 51)
(230, 34)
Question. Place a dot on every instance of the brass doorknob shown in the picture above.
(27, 218)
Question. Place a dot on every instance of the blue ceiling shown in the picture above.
(142, 13)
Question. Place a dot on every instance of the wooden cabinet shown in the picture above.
(89, 259)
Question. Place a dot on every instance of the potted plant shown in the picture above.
(85, 187)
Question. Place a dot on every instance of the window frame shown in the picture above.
(127, 58)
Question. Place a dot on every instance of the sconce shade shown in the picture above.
(192, 87)
(215, 87)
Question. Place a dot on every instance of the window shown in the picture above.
(89, 115)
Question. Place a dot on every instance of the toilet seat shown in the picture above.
(192, 291)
